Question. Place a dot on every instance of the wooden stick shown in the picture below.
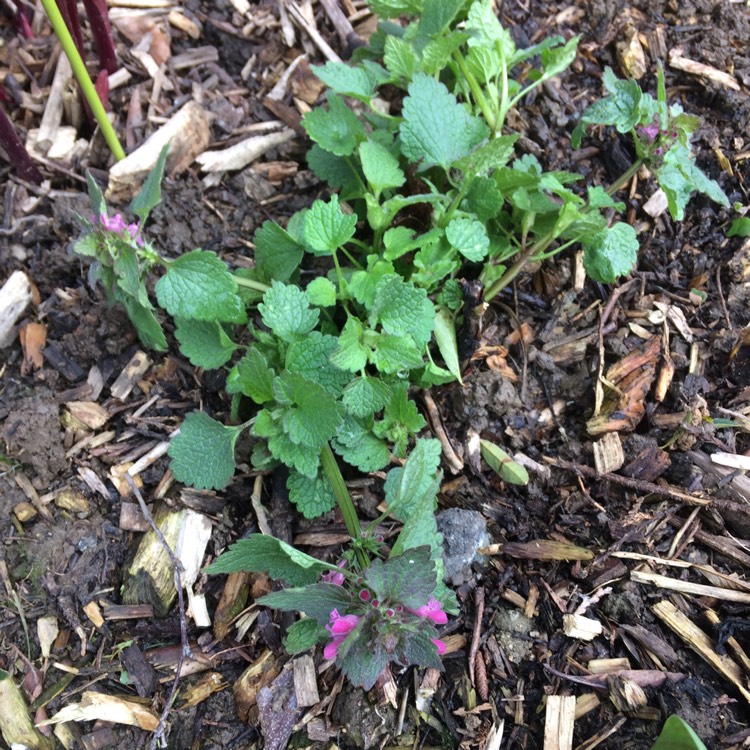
(559, 721)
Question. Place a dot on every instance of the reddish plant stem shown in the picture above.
(17, 153)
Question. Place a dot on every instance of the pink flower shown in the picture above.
(116, 224)
(649, 131)
(339, 626)
(334, 577)
(433, 610)
(439, 645)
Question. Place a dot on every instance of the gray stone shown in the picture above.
(513, 629)
(464, 532)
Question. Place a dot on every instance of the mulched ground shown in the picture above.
(70, 428)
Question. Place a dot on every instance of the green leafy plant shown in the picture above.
(677, 734)
(384, 612)
(430, 188)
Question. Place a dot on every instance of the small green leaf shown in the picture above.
(337, 171)
(351, 80)
(277, 253)
(150, 194)
(400, 58)
(312, 415)
(198, 285)
(380, 167)
(95, 195)
(311, 358)
(402, 308)
(502, 464)
(611, 253)
(677, 734)
(286, 311)
(401, 420)
(365, 396)
(740, 227)
(437, 15)
(303, 635)
(327, 227)
(436, 129)
(492, 155)
(313, 497)
(204, 342)
(555, 60)
(469, 237)
(260, 553)
(321, 292)
(252, 377)
(405, 485)
(203, 453)
(599, 198)
(337, 129)
(316, 600)
(351, 354)
(395, 354)
(146, 323)
(356, 444)
(445, 337)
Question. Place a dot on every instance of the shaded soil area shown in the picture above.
(91, 403)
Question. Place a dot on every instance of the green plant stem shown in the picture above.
(625, 177)
(476, 90)
(259, 286)
(344, 499)
(82, 76)
(538, 247)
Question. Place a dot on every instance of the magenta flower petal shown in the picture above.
(343, 625)
(433, 611)
(439, 645)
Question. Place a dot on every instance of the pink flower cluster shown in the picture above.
(117, 225)
(339, 626)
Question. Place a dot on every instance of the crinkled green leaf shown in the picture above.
(312, 415)
(253, 377)
(303, 635)
(286, 311)
(303, 458)
(351, 354)
(321, 292)
(336, 129)
(362, 283)
(401, 419)
(203, 452)
(395, 354)
(404, 486)
(407, 578)
(436, 129)
(337, 171)
(484, 198)
(487, 31)
(261, 553)
(556, 59)
(400, 58)
(311, 358)
(469, 237)
(357, 445)
(313, 497)
(198, 285)
(204, 342)
(402, 308)
(327, 227)
(365, 396)
(356, 81)
(436, 15)
(611, 253)
(277, 253)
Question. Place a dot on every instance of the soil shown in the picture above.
(72, 548)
